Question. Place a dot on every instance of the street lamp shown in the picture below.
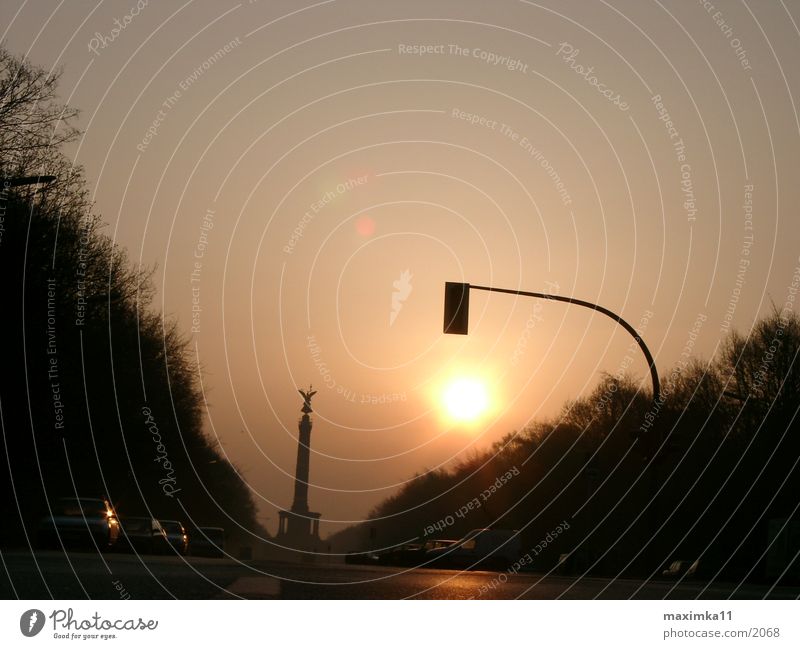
(28, 180)
(456, 317)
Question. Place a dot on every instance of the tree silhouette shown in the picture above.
(98, 391)
(712, 477)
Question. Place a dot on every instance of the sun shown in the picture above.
(466, 399)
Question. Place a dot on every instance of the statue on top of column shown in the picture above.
(307, 399)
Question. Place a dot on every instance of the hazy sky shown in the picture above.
(309, 176)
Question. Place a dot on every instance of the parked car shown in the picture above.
(143, 535)
(176, 535)
(480, 549)
(84, 522)
(208, 542)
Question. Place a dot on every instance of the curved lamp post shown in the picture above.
(456, 317)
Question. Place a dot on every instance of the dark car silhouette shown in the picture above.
(490, 549)
(176, 535)
(143, 535)
(83, 522)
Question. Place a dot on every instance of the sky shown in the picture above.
(306, 176)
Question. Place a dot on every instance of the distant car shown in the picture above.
(208, 542)
(479, 549)
(362, 558)
(433, 544)
(681, 568)
(176, 535)
(564, 563)
(143, 535)
(85, 522)
(408, 554)
(412, 554)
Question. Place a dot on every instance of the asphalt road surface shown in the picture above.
(81, 575)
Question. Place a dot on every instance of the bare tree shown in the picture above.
(33, 124)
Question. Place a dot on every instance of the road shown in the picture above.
(80, 575)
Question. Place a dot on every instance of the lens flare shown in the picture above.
(365, 226)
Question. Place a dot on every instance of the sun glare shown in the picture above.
(466, 399)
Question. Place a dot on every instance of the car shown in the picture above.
(143, 535)
(681, 568)
(176, 535)
(564, 565)
(480, 549)
(85, 522)
(433, 544)
(412, 554)
(208, 542)
(408, 554)
(362, 558)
